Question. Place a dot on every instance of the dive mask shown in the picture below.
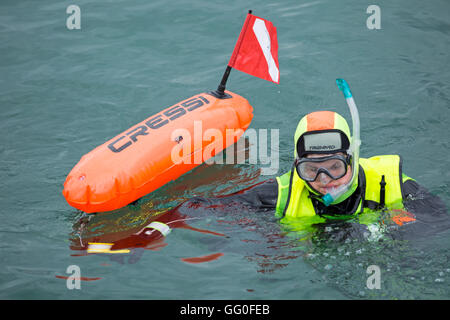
(334, 166)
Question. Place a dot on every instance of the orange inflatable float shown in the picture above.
(176, 140)
(156, 151)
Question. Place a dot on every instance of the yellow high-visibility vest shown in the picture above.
(300, 204)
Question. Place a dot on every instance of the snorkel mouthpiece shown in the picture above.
(334, 194)
(327, 199)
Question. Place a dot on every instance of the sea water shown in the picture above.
(67, 86)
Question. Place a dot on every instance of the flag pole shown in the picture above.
(220, 92)
(221, 88)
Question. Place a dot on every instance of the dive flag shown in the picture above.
(256, 51)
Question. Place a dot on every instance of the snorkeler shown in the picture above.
(330, 181)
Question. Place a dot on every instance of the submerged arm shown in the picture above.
(262, 196)
(431, 215)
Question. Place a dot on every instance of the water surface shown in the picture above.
(63, 92)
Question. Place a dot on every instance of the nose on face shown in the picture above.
(323, 178)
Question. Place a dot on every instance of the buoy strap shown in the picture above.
(159, 226)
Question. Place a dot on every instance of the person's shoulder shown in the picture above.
(411, 188)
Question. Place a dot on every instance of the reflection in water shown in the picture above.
(410, 263)
(342, 251)
(207, 258)
(123, 231)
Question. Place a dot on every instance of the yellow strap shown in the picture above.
(99, 247)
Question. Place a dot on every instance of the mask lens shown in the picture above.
(309, 169)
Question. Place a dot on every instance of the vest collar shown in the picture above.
(356, 200)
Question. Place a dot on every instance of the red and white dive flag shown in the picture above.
(256, 51)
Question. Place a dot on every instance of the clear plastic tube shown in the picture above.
(334, 193)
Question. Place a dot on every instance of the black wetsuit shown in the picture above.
(429, 210)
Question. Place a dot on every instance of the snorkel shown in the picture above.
(333, 194)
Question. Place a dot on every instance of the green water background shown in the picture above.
(63, 92)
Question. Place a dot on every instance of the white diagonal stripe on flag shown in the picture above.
(261, 33)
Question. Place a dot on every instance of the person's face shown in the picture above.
(323, 181)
